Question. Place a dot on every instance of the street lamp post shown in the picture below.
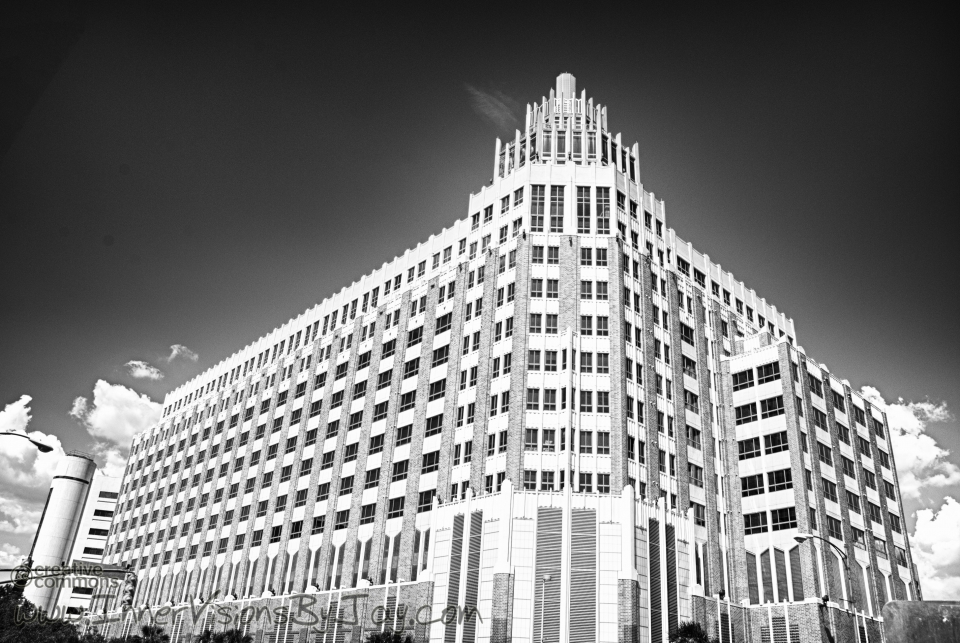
(801, 537)
(543, 600)
(41, 447)
(843, 556)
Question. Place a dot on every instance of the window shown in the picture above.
(780, 480)
(408, 400)
(414, 336)
(434, 425)
(437, 390)
(819, 419)
(533, 399)
(536, 288)
(603, 443)
(743, 379)
(553, 288)
(531, 440)
(389, 348)
(444, 323)
(895, 522)
(884, 458)
(686, 334)
(533, 361)
(875, 514)
(395, 508)
(848, 466)
(603, 483)
(783, 519)
(376, 444)
(829, 490)
(816, 386)
(583, 210)
(834, 528)
(691, 402)
(695, 473)
(843, 433)
(768, 373)
(368, 513)
(603, 401)
(586, 290)
(824, 453)
(603, 329)
(586, 325)
(751, 485)
(529, 480)
(755, 523)
(745, 413)
(888, 488)
(771, 407)
(859, 416)
(550, 360)
(537, 201)
(425, 500)
(853, 502)
(749, 448)
(400, 470)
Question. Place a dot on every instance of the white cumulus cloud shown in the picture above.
(921, 462)
(142, 370)
(117, 413)
(25, 473)
(179, 350)
(25, 476)
(10, 555)
(936, 550)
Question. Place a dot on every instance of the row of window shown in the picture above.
(779, 519)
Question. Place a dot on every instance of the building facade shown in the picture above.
(532, 418)
(73, 532)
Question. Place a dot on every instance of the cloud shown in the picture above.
(117, 413)
(25, 473)
(921, 462)
(25, 476)
(142, 370)
(936, 550)
(16, 415)
(10, 556)
(179, 350)
(495, 107)
(112, 459)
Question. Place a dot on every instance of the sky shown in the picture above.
(176, 182)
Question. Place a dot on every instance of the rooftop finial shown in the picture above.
(566, 86)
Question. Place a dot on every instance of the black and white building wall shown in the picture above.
(555, 412)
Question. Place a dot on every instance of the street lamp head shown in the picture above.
(547, 577)
(41, 447)
(802, 537)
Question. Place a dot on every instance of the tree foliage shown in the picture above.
(230, 636)
(21, 620)
(389, 636)
(691, 632)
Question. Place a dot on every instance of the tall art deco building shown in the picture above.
(554, 420)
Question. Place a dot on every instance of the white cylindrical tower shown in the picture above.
(59, 522)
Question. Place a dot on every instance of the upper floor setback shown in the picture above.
(511, 204)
